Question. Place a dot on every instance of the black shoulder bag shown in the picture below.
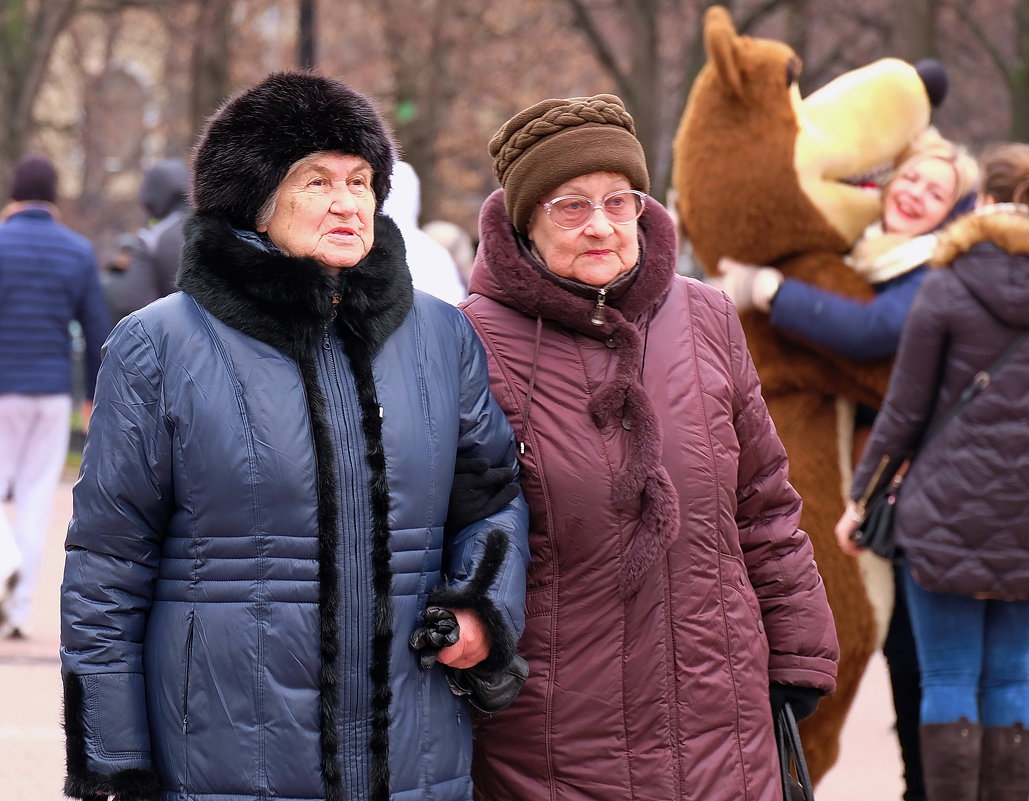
(879, 503)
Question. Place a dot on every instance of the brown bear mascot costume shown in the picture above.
(761, 175)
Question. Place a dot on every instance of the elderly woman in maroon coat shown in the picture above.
(672, 600)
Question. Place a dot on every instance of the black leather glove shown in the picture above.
(478, 492)
(804, 700)
(489, 690)
(439, 631)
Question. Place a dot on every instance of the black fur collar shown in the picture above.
(286, 301)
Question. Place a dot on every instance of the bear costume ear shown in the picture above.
(720, 42)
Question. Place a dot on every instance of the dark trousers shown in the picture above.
(902, 661)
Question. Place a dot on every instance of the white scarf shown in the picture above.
(879, 256)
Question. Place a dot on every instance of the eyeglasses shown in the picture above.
(574, 211)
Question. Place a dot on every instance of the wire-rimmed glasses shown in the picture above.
(574, 211)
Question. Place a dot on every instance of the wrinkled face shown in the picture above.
(325, 210)
(596, 252)
(919, 199)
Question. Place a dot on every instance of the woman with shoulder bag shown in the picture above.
(962, 518)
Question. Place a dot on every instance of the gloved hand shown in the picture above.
(489, 691)
(804, 700)
(749, 286)
(478, 492)
(440, 630)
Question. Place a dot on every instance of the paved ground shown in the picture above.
(31, 740)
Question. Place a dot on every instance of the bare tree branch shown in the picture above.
(755, 15)
(601, 47)
(966, 15)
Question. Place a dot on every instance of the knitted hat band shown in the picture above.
(556, 140)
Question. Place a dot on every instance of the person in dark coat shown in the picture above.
(144, 265)
(48, 279)
(264, 515)
(672, 602)
(962, 517)
(934, 182)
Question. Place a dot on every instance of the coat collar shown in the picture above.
(1006, 225)
(287, 302)
(505, 272)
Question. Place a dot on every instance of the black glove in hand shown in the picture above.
(478, 492)
(489, 691)
(804, 700)
(440, 630)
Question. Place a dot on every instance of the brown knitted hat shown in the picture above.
(556, 140)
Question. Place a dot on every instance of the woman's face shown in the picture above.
(920, 197)
(596, 252)
(325, 210)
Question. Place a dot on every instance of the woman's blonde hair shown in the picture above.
(1006, 172)
(931, 145)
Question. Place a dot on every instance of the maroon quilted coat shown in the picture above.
(669, 583)
(963, 513)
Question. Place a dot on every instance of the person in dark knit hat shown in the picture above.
(35, 179)
(48, 278)
(267, 511)
(674, 606)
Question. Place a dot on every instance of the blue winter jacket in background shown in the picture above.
(259, 527)
(48, 277)
(856, 329)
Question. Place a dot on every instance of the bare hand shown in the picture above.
(471, 647)
(845, 527)
(87, 412)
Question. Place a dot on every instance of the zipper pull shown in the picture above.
(598, 313)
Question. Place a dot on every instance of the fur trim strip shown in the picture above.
(382, 638)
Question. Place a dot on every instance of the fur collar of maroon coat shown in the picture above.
(507, 273)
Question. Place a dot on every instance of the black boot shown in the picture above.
(1005, 764)
(950, 760)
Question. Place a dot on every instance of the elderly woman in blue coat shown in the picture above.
(261, 520)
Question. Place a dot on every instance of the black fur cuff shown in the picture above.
(133, 784)
(474, 595)
(125, 785)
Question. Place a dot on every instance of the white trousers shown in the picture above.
(34, 435)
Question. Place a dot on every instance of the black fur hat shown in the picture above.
(249, 144)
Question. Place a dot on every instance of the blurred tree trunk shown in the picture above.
(28, 31)
(641, 51)
(915, 30)
(306, 45)
(425, 84)
(211, 58)
(1014, 68)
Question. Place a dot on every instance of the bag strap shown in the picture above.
(791, 757)
(979, 382)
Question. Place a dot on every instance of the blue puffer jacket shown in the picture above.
(258, 528)
(48, 277)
